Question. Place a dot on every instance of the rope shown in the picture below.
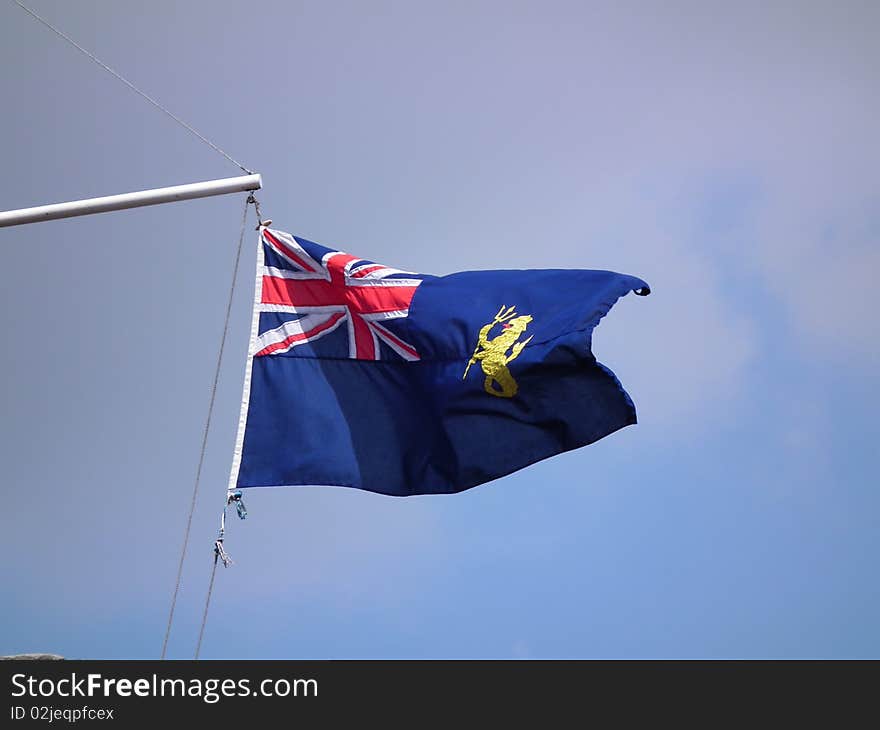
(207, 603)
(205, 435)
(131, 85)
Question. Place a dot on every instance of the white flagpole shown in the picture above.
(130, 200)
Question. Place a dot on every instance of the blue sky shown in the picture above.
(726, 153)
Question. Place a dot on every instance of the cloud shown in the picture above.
(820, 255)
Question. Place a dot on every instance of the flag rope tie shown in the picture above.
(205, 436)
(131, 86)
(260, 222)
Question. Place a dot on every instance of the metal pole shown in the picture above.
(130, 200)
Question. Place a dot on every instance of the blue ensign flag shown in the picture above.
(361, 375)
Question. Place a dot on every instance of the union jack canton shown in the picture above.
(307, 291)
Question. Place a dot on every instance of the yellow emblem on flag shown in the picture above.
(492, 353)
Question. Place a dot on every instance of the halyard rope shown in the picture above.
(208, 601)
(205, 441)
(131, 85)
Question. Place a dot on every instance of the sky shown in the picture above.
(727, 153)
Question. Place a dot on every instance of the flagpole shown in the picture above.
(130, 200)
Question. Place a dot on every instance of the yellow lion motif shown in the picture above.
(492, 353)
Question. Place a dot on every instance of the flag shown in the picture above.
(365, 376)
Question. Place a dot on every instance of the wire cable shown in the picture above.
(131, 85)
